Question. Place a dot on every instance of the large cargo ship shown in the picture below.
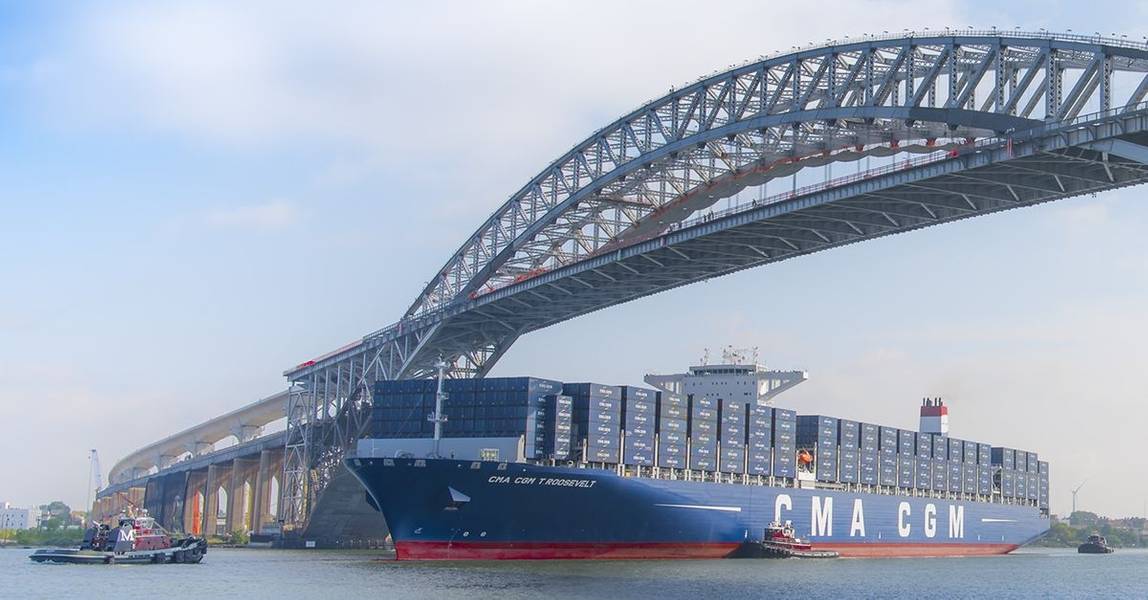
(529, 468)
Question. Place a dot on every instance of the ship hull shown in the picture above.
(462, 510)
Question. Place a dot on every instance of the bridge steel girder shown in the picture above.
(607, 222)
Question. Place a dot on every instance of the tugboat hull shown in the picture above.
(1093, 549)
(190, 551)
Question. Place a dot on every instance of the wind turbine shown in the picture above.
(1076, 489)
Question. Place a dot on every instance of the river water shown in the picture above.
(353, 575)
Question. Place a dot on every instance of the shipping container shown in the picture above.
(905, 466)
(888, 439)
(940, 446)
(733, 435)
(639, 408)
(923, 477)
(969, 478)
(1021, 461)
(869, 441)
(594, 390)
(784, 463)
(924, 445)
(956, 450)
(906, 442)
(984, 479)
(971, 453)
(956, 476)
(759, 462)
(703, 403)
(672, 457)
(732, 460)
(1032, 485)
(984, 454)
(1008, 483)
(638, 449)
(703, 458)
(760, 430)
(870, 467)
(1033, 463)
(673, 407)
(848, 465)
(1021, 489)
(887, 474)
(699, 427)
(673, 425)
(940, 474)
(848, 434)
(674, 438)
(734, 411)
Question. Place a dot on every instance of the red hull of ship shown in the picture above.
(647, 551)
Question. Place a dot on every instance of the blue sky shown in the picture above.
(196, 196)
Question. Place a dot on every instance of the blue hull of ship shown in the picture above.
(448, 509)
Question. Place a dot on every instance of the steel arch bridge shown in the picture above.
(997, 120)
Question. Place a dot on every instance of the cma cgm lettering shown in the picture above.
(453, 509)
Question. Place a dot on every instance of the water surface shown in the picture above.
(353, 575)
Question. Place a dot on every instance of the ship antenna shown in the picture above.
(437, 417)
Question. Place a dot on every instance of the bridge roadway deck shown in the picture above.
(273, 441)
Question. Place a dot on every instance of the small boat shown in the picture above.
(1096, 544)
(779, 541)
(137, 540)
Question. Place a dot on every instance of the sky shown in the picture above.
(195, 196)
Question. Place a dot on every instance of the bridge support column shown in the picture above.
(241, 494)
(210, 501)
(218, 477)
(270, 466)
(193, 505)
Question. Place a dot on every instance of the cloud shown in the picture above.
(477, 86)
(272, 215)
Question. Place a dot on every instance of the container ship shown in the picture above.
(695, 466)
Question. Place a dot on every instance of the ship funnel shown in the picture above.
(934, 417)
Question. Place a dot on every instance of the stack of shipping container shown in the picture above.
(784, 443)
(639, 412)
(906, 459)
(491, 407)
(642, 427)
(759, 447)
(597, 420)
(887, 456)
(703, 433)
(732, 438)
(673, 431)
(870, 454)
(849, 451)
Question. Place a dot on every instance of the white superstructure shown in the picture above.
(738, 376)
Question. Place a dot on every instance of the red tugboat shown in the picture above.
(779, 541)
(136, 540)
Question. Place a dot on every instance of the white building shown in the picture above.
(12, 517)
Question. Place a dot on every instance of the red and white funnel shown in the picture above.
(934, 416)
